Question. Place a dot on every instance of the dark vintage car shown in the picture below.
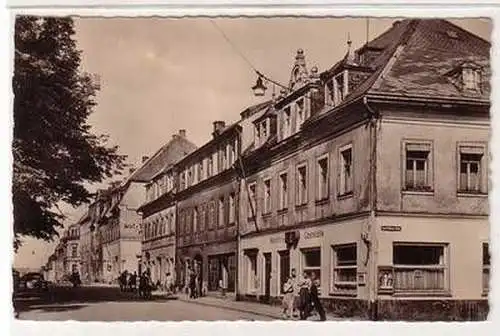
(32, 282)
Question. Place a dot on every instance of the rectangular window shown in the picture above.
(210, 166)
(223, 159)
(267, 196)
(232, 209)
(338, 89)
(201, 175)
(311, 262)
(419, 267)
(284, 268)
(195, 220)
(417, 170)
(201, 216)
(216, 164)
(300, 112)
(322, 175)
(301, 185)
(287, 122)
(74, 251)
(283, 191)
(344, 269)
(486, 268)
(252, 195)
(211, 215)
(471, 169)
(252, 272)
(190, 176)
(221, 212)
(345, 183)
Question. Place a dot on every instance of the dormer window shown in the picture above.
(339, 88)
(471, 78)
(301, 113)
(263, 126)
(286, 122)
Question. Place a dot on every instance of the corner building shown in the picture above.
(373, 175)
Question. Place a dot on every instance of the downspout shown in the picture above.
(370, 237)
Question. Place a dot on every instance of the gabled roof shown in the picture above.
(248, 112)
(435, 48)
(416, 58)
(169, 154)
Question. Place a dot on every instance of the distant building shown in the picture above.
(374, 177)
(158, 208)
(71, 240)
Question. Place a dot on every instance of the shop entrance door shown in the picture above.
(267, 275)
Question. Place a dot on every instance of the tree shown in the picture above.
(55, 153)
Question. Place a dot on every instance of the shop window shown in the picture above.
(486, 268)
(418, 167)
(213, 273)
(267, 196)
(301, 185)
(284, 257)
(252, 276)
(322, 178)
(420, 267)
(283, 191)
(311, 261)
(471, 169)
(344, 269)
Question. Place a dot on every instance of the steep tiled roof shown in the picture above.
(435, 48)
(170, 153)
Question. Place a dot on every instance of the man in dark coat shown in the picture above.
(314, 297)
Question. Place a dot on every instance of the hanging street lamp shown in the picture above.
(259, 89)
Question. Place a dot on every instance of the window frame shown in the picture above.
(221, 212)
(252, 200)
(429, 170)
(316, 269)
(445, 267)
(469, 148)
(322, 187)
(342, 189)
(283, 193)
(351, 285)
(486, 269)
(267, 196)
(299, 201)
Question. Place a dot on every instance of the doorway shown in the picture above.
(267, 276)
(198, 267)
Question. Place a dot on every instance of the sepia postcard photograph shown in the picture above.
(251, 168)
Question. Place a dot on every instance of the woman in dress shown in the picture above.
(288, 297)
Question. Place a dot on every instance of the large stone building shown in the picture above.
(207, 203)
(158, 208)
(373, 175)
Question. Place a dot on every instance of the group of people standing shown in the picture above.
(301, 296)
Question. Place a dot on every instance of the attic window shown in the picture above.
(471, 78)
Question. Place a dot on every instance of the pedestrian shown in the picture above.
(169, 283)
(133, 282)
(315, 297)
(304, 284)
(296, 290)
(192, 285)
(288, 298)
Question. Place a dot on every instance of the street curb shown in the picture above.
(232, 308)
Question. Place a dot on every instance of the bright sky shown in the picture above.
(162, 75)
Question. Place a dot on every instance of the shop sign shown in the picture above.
(276, 240)
(313, 234)
(391, 228)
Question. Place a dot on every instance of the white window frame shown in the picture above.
(252, 200)
(267, 208)
(476, 148)
(345, 187)
(221, 216)
(300, 113)
(419, 146)
(282, 191)
(343, 287)
(444, 266)
(322, 187)
(287, 122)
(301, 197)
(305, 268)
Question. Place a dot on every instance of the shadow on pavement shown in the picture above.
(67, 295)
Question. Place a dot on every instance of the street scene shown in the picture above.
(256, 169)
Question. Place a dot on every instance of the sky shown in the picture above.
(159, 75)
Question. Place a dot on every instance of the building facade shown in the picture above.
(71, 241)
(373, 175)
(207, 203)
(158, 209)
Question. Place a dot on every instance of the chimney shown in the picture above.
(218, 127)
(145, 158)
(182, 133)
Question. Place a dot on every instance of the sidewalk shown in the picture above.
(262, 309)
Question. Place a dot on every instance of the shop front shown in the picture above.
(214, 265)
(158, 258)
(334, 252)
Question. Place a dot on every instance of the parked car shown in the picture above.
(33, 282)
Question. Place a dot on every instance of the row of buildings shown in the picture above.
(373, 174)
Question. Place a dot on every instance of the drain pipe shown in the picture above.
(370, 237)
